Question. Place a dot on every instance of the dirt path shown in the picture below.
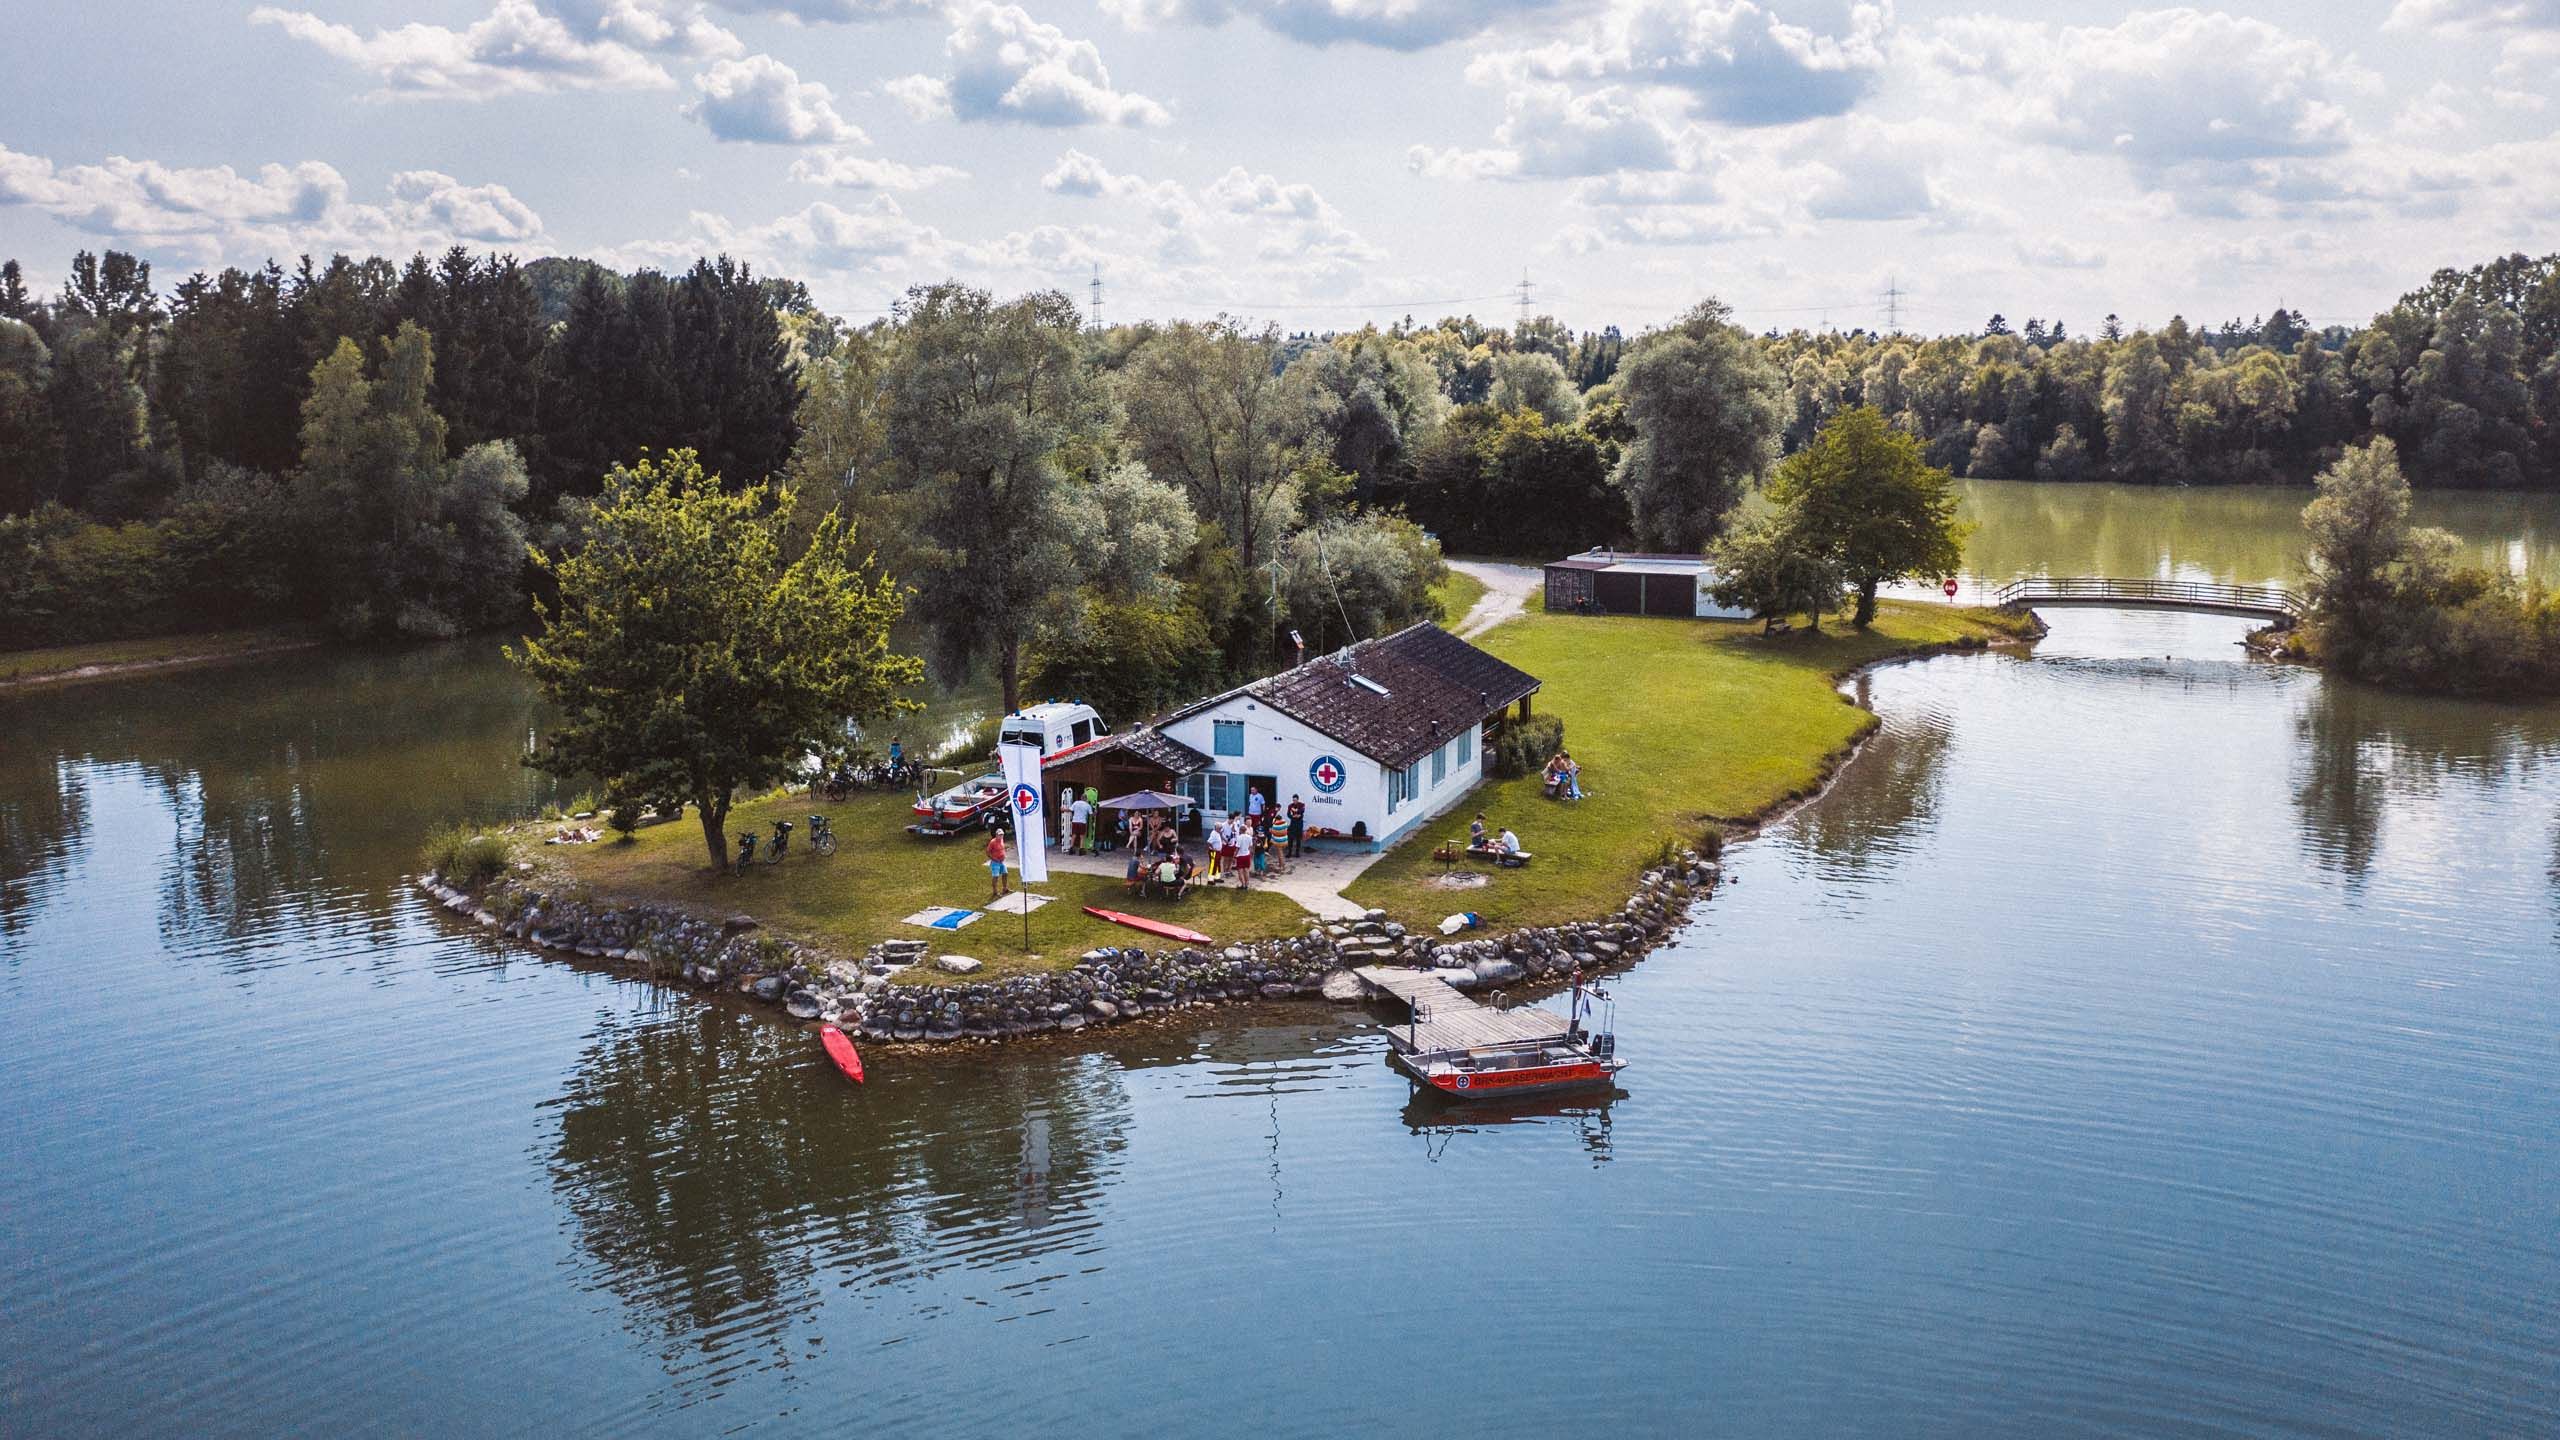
(1506, 592)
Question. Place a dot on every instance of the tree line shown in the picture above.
(1126, 514)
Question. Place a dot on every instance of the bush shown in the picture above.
(467, 856)
(1525, 746)
(1711, 842)
(624, 817)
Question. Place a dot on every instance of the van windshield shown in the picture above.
(1023, 737)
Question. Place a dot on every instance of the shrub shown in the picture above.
(624, 817)
(1525, 746)
(467, 856)
(1711, 842)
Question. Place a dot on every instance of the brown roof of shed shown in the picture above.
(1431, 685)
(1144, 743)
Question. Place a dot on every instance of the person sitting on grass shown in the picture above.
(1570, 771)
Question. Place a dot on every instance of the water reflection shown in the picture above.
(2364, 753)
(721, 1178)
(44, 811)
(1440, 1123)
(2247, 534)
(1901, 769)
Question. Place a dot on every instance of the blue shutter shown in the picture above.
(1227, 737)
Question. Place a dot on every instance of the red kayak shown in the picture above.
(840, 1049)
(1152, 927)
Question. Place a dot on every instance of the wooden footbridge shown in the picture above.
(1445, 1019)
(2272, 603)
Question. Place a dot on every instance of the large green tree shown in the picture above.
(986, 402)
(1769, 566)
(1707, 408)
(690, 654)
(1207, 409)
(408, 541)
(1864, 495)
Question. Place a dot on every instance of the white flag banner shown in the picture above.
(1030, 812)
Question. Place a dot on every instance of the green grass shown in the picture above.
(1676, 725)
(1457, 595)
(880, 874)
(62, 664)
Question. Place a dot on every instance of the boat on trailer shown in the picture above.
(1475, 1053)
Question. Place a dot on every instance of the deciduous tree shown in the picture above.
(688, 655)
(1863, 495)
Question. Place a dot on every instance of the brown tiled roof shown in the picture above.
(1435, 686)
(1145, 743)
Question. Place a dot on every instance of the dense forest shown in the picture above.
(1129, 513)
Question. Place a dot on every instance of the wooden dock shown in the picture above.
(1445, 1019)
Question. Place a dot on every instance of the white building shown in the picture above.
(1375, 738)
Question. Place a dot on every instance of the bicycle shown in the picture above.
(746, 850)
(781, 842)
(822, 835)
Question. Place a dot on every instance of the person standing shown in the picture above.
(996, 881)
(1253, 807)
(1283, 834)
(1297, 827)
(1079, 819)
(1216, 841)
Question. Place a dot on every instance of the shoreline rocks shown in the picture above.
(1106, 986)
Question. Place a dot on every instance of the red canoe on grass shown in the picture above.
(1152, 927)
(840, 1049)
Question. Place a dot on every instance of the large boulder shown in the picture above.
(959, 965)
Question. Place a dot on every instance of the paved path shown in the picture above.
(1506, 592)
(1314, 880)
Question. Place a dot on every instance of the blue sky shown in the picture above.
(1325, 162)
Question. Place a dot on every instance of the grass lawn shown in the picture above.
(880, 874)
(1457, 595)
(61, 664)
(1676, 724)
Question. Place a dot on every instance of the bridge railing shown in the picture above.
(2201, 594)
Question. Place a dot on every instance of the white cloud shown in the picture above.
(661, 27)
(2210, 108)
(2460, 15)
(1077, 173)
(876, 235)
(1007, 66)
(2053, 253)
(1241, 192)
(2432, 114)
(1549, 130)
(761, 99)
(862, 172)
(1735, 61)
(515, 49)
(1386, 24)
(213, 214)
(816, 12)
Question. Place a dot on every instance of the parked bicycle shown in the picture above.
(746, 850)
(781, 842)
(822, 835)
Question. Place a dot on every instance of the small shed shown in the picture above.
(1143, 759)
(1631, 582)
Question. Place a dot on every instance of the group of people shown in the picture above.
(1502, 846)
(1563, 776)
(1259, 841)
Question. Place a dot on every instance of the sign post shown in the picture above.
(1022, 781)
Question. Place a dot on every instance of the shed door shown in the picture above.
(1620, 593)
(1670, 595)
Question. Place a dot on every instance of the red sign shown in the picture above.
(1950, 587)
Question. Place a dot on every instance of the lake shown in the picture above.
(2137, 1040)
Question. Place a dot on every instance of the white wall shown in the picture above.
(1279, 746)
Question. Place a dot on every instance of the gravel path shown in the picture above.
(1507, 591)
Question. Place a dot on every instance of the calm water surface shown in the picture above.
(2138, 1041)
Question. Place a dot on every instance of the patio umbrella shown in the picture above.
(1149, 800)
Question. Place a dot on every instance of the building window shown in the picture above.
(1439, 764)
(1395, 790)
(1413, 779)
(1466, 745)
(1226, 737)
(1214, 791)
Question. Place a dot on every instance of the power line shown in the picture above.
(1524, 299)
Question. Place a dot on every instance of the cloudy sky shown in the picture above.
(1325, 162)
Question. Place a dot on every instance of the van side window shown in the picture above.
(1082, 732)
